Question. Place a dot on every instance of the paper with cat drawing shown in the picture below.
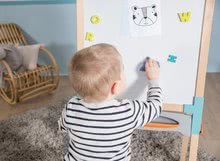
(144, 17)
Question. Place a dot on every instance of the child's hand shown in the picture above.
(152, 69)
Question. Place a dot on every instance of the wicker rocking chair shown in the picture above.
(31, 83)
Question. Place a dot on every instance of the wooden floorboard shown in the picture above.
(210, 141)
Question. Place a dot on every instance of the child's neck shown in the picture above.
(108, 98)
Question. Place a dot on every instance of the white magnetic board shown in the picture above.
(182, 39)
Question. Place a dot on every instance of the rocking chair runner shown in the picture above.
(31, 83)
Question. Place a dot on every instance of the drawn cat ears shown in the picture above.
(134, 8)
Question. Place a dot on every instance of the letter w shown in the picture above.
(185, 16)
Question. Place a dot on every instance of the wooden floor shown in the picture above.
(211, 116)
(64, 90)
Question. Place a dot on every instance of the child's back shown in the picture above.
(100, 127)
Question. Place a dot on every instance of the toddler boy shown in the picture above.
(99, 126)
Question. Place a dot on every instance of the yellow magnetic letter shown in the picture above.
(95, 19)
(185, 16)
(89, 36)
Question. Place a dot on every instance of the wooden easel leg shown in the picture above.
(193, 147)
(184, 148)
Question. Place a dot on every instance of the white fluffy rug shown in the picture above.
(33, 136)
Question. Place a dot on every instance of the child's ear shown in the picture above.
(115, 88)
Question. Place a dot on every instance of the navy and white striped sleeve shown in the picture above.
(61, 122)
(151, 108)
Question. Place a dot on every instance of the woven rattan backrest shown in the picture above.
(11, 33)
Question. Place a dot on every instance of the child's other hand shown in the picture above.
(152, 69)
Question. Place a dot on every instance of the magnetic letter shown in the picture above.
(185, 16)
(95, 19)
(172, 58)
(89, 36)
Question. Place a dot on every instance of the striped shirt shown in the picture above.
(102, 131)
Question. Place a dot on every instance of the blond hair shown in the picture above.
(93, 70)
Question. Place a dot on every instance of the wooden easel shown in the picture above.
(201, 74)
